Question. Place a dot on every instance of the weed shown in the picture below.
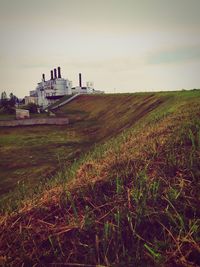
(156, 256)
(107, 230)
(140, 195)
(134, 199)
(119, 185)
(154, 189)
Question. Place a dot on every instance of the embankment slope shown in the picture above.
(29, 151)
(133, 200)
(107, 115)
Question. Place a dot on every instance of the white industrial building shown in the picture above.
(88, 89)
(31, 99)
(48, 92)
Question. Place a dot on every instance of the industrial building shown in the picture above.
(88, 89)
(31, 99)
(49, 91)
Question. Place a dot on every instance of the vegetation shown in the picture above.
(32, 107)
(132, 200)
(32, 154)
(7, 105)
(59, 101)
(44, 150)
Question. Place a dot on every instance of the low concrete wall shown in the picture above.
(22, 114)
(36, 121)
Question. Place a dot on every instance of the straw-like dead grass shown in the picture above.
(137, 203)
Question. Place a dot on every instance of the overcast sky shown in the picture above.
(121, 45)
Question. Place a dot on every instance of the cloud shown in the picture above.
(177, 55)
(125, 44)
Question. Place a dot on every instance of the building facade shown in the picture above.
(31, 99)
(88, 89)
(49, 91)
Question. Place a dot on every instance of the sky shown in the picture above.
(119, 45)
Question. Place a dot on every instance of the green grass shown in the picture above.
(132, 200)
(31, 153)
(59, 101)
(4, 116)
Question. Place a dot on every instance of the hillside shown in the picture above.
(106, 115)
(45, 149)
(131, 200)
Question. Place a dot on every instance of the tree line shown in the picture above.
(7, 104)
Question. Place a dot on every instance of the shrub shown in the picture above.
(32, 108)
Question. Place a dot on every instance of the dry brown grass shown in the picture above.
(135, 204)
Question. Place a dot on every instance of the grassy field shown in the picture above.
(131, 200)
(107, 115)
(31, 154)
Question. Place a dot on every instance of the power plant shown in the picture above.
(49, 91)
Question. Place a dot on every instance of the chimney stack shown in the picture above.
(80, 80)
(51, 75)
(55, 73)
(59, 72)
(43, 77)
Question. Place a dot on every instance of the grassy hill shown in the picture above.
(131, 200)
(106, 115)
(30, 155)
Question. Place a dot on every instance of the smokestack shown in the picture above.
(55, 73)
(59, 72)
(51, 75)
(43, 77)
(80, 80)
